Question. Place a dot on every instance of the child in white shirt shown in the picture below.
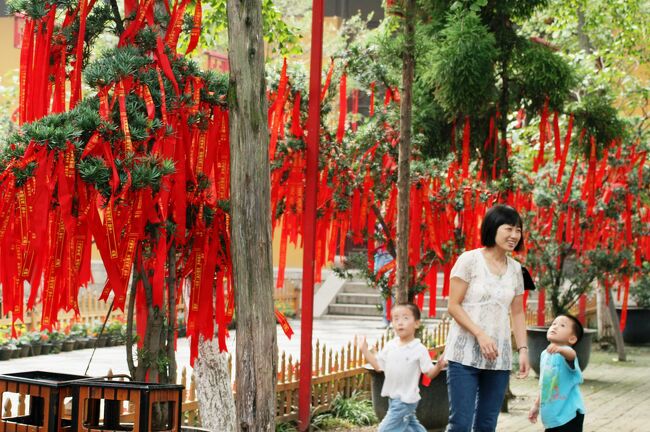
(403, 360)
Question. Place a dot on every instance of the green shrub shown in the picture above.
(356, 409)
(640, 290)
(286, 427)
(327, 421)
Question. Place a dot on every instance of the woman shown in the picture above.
(485, 284)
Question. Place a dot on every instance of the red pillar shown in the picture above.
(309, 230)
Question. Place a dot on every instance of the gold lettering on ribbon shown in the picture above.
(196, 281)
(124, 120)
(200, 160)
(22, 206)
(110, 228)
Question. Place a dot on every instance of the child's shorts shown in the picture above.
(574, 425)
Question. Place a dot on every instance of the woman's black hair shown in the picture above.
(495, 217)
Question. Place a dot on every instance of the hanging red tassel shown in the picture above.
(541, 307)
(543, 125)
(196, 28)
(465, 163)
(343, 109)
(432, 283)
(565, 151)
(556, 137)
(372, 100)
(355, 108)
(447, 274)
(626, 293)
(328, 80)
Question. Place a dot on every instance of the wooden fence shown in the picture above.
(590, 313)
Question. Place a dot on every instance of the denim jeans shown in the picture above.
(475, 397)
(400, 418)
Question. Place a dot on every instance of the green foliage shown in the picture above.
(560, 269)
(462, 72)
(346, 413)
(600, 119)
(283, 38)
(542, 74)
(640, 289)
(114, 65)
(36, 8)
(356, 409)
(286, 427)
(605, 41)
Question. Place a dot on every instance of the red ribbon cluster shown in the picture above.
(48, 223)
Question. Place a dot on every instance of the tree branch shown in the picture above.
(116, 17)
(390, 244)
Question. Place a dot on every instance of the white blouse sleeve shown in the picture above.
(519, 280)
(462, 267)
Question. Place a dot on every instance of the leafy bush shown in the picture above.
(286, 427)
(641, 288)
(327, 421)
(355, 409)
(462, 72)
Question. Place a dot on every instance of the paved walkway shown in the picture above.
(617, 395)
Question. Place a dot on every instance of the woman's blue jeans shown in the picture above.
(401, 418)
(475, 397)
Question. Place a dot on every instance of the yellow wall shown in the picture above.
(294, 254)
(10, 58)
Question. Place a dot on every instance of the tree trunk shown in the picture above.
(618, 336)
(404, 169)
(256, 346)
(213, 388)
(605, 331)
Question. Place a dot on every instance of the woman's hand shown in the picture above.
(524, 363)
(488, 346)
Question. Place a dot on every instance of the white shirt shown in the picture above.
(402, 366)
(487, 302)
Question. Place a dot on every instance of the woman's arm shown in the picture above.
(457, 291)
(519, 330)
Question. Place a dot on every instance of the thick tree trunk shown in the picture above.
(256, 346)
(213, 388)
(404, 169)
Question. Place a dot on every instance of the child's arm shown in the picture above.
(369, 356)
(566, 351)
(534, 411)
(435, 369)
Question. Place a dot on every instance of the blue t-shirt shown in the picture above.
(560, 391)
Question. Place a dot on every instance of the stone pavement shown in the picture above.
(617, 395)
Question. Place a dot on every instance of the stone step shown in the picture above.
(371, 310)
(359, 298)
(375, 298)
(360, 287)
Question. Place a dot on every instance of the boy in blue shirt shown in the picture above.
(560, 402)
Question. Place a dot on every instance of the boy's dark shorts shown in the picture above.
(574, 425)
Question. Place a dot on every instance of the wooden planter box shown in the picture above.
(47, 392)
(99, 404)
